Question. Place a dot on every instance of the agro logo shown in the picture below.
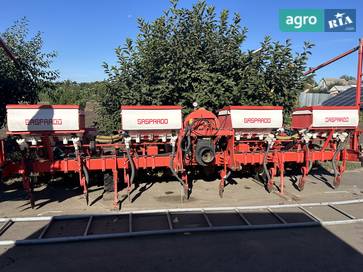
(298, 21)
(340, 20)
(301, 20)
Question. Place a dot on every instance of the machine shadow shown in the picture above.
(47, 190)
(62, 187)
(318, 172)
(313, 248)
(292, 173)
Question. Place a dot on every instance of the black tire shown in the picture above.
(108, 182)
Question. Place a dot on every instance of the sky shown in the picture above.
(85, 33)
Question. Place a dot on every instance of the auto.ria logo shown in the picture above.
(317, 20)
(340, 20)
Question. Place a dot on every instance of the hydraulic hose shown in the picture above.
(86, 174)
(310, 165)
(310, 162)
(58, 153)
(187, 137)
(227, 175)
(333, 161)
(131, 164)
(265, 163)
(86, 177)
(340, 147)
(171, 166)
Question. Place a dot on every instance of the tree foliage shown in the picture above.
(347, 77)
(22, 83)
(71, 92)
(194, 55)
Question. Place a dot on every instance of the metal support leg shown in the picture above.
(187, 188)
(223, 175)
(342, 167)
(27, 183)
(222, 183)
(127, 182)
(28, 188)
(304, 173)
(83, 183)
(270, 183)
(115, 188)
(82, 178)
(305, 169)
(282, 177)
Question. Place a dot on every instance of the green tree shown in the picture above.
(347, 78)
(22, 81)
(310, 82)
(193, 55)
(71, 92)
(274, 75)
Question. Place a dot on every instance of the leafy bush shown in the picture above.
(70, 92)
(191, 55)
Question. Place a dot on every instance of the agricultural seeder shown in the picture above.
(53, 139)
